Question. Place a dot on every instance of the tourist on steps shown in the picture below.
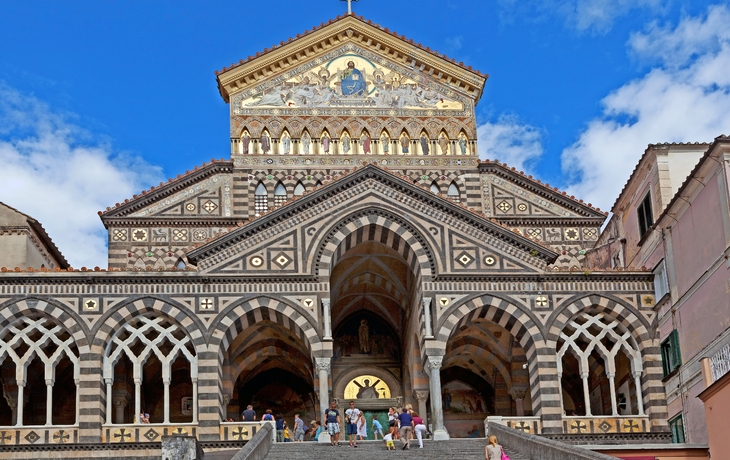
(493, 451)
(332, 419)
(419, 427)
(352, 416)
(406, 428)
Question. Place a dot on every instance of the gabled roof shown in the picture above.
(45, 238)
(165, 189)
(354, 29)
(586, 210)
(371, 171)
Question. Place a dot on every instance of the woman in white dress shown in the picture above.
(362, 427)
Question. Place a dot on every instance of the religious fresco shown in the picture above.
(464, 410)
(350, 78)
(366, 387)
(280, 399)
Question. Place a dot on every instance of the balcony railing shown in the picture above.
(145, 432)
(27, 435)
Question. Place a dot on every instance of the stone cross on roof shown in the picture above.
(349, 5)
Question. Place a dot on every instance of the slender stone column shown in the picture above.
(323, 369)
(109, 383)
(639, 393)
(612, 387)
(78, 400)
(427, 317)
(437, 411)
(326, 319)
(120, 402)
(422, 397)
(518, 394)
(195, 400)
(166, 383)
(21, 403)
(586, 393)
(49, 402)
(137, 399)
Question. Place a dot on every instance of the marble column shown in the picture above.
(49, 401)
(422, 397)
(427, 317)
(120, 402)
(21, 403)
(518, 394)
(326, 319)
(166, 401)
(639, 393)
(612, 387)
(195, 400)
(437, 411)
(137, 399)
(323, 370)
(586, 393)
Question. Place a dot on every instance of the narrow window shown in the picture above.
(453, 193)
(671, 358)
(661, 286)
(299, 189)
(279, 195)
(676, 425)
(646, 216)
(180, 265)
(435, 188)
(261, 204)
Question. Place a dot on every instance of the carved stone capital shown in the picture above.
(120, 401)
(518, 393)
(434, 362)
(326, 303)
(226, 400)
(323, 364)
(426, 302)
(422, 395)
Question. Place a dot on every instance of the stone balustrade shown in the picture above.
(51, 434)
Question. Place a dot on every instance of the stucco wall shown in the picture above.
(13, 250)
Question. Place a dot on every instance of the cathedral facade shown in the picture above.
(351, 246)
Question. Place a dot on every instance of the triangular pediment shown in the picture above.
(288, 240)
(350, 63)
(202, 193)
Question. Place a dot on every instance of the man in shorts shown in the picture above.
(352, 416)
(249, 415)
(332, 419)
(377, 429)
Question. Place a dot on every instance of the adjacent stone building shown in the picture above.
(351, 246)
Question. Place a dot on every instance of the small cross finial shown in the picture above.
(349, 5)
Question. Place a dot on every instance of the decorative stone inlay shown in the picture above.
(490, 260)
(328, 161)
(519, 191)
(224, 181)
(257, 261)
(200, 235)
(464, 259)
(32, 437)
(522, 207)
(206, 303)
(120, 235)
(571, 234)
(604, 426)
(444, 301)
(309, 303)
(122, 435)
(504, 206)
(282, 260)
(151, 435)
(190, 207)
(139, 234)
(180, 234)
(541, 301)
(91, 305)
(210, 206)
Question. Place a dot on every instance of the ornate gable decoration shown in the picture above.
(350, 64)
(351, 77)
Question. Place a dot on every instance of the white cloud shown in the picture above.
(673, 102)
(61, 175)
(509, 141)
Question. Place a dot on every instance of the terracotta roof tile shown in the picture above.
(361, 18)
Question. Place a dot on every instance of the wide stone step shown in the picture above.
(458, 449)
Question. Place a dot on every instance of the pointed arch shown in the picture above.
(453, 193)
(424, 143)
(435, 189)
(365, 142)
(305, 143)
(244, 145)
(285, 142)
(265, 141)
(261, 199)
(346, 147)
(279, 194)
(384, 143)
(325, 141)
(463, 146)
(404, 143)
(444, 144)
(299, 189)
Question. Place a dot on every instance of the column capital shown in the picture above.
(518, 393)
(422, 395)
(434, 362)
(326, 302)
(427, 301)
(323, 364)
(120, 401)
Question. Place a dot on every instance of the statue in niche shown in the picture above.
(462, 143)
(265, 142)
(444, 144)
(365, 141)
(345, 143)
(285, 144)
(367, 391)
(306, 141)
(364, 335)
(404, 143)
(326, 144)
(245, 142)
(385, 144)
(424, 144)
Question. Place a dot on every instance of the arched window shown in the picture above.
(453, 193)
(435, 188)
(261, 204)
(279, 195)
(299, 189)
(181, 265)
(161, 358)
(45, 356)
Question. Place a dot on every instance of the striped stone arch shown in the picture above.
(518, 322)
(236, 318)
(378, 225)
(654, 395)
(377, 280)
(123, 313)
(483, 354)
(11, 310)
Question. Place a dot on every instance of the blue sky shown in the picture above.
(99, 100)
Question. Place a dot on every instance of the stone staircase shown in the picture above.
(458, 449)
